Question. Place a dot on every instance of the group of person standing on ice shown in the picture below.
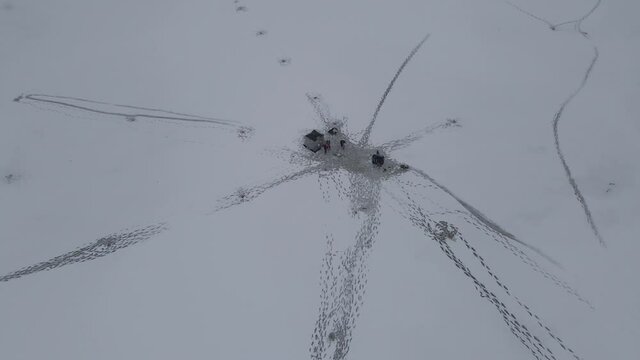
(327, 145)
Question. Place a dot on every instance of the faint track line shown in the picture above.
(578, 22)
(111, 109)
(533, 16)
(565, 165)
(411, 138)
(558, 115)
(367, 132)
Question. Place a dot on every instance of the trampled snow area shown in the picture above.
(156, 201)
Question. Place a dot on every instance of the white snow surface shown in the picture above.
(244, 282)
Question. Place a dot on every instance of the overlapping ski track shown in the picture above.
(68, 104)
(465, 217)
(523, 322)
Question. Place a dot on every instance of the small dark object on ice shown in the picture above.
(611, 186)
(452, 122)
(443, 231)
(284, 61)
(377, 159)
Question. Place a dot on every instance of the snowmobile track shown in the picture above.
(558, 115)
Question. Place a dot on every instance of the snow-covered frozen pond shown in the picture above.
(156, 200)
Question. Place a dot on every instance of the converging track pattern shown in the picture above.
(344, 271)
(522, 321)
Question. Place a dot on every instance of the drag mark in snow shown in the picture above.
(101, 247)
(128, 112)
(505, 242)
(367, 131)
(565, 166)
(482, 218)
(525, 258)
(578, 22)
(527, 326)
(555, 26)
(558, 115)
(533, 16)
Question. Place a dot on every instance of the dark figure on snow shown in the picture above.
(342, 142)
(377, 159)
(326, 146)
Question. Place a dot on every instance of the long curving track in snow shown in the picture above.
(577, 28)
